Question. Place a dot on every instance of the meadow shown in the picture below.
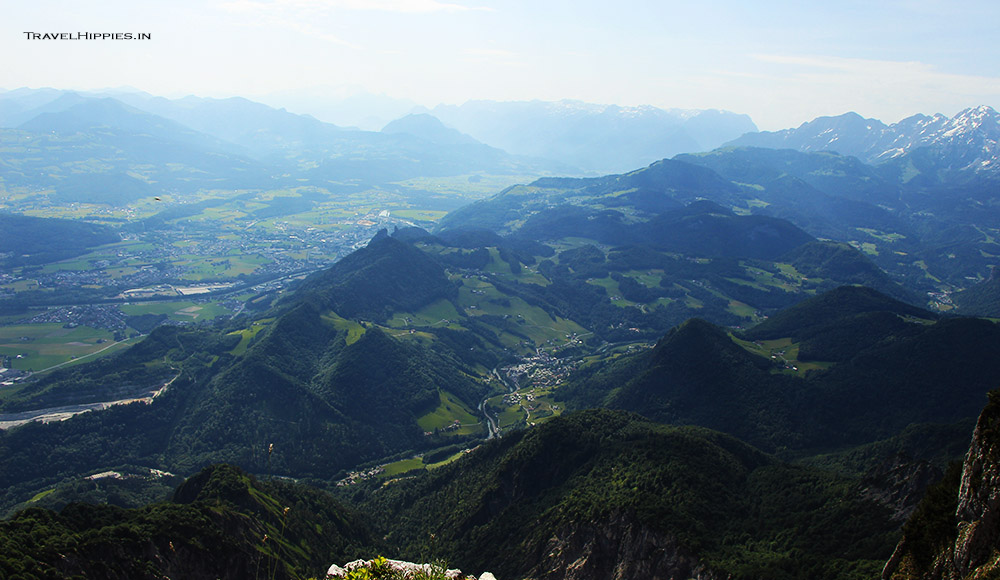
(37, 347)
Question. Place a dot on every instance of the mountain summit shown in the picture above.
(967, 141)
(429, 128)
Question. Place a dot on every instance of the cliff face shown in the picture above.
(617, 548)
(899, 483)
(958, 537)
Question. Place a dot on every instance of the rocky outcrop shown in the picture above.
(963, 544)
(385, 568)
(899, 483)
(617, 548)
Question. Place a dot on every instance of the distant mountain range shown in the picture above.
(566, 137)
(68, 141)
(967, 141)
(597, 138)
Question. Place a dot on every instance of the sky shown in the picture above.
(781, 62)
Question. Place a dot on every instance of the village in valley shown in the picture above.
(183, 272)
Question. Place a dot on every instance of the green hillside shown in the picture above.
(221, 523)
(840, 262)
(876, 373)
(813, 316)
(605, 492)
(385, 276)
(983, 299)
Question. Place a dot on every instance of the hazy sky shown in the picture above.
(781, 62)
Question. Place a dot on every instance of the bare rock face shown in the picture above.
(978, 512)
(973, 549)
(618, 548)
(899, 483)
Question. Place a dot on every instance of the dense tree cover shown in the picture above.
(838, 263)
(912, 373)
(221, 523)
(697, 375)
(471, 260)
(570, 297)
(701, 229)
(721, 500)
(385, 276)
(324, 405)
(34, 240)
(568, 220)
(704, 228)
(828, 172)
(825, 194)
(853, 334)
(470, 238)
(703, 287)
(920, 221)
(983, 299)
(664, 185)
(125, 486)
(36, 456)
(940, 375)
(819, 314)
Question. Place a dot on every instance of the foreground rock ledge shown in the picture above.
(407, 569)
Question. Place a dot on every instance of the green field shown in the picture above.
(247, 335)
(470, 187)
(78, 264)
(419, 214)
(178, 310)
(613, 291)
(450, 459)
(38, 347)
(403, 466)
(448, 411)
(409, 465)
(353, 329)
(741, 309)
(783, 352)
(888, 237)
(536, 405)
(203, 267)
(21, 285)
(479, 298)
(510, 417)
(438, 314)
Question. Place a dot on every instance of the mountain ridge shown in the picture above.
(584, 134)
(968, 140)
